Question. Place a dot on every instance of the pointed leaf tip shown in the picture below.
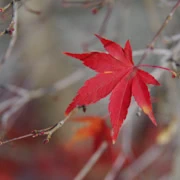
(115, 50)
(142, 97)
(148, 110)
(67, 53)
(174, 74)
(114, 134)
(128, 52)
(148, 78)
(119, 103)
(98, 61)
(151, 116)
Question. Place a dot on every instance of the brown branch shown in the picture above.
(102, 28)
(48, 132)
(165, 23)
(23, 96)
(118, 164)
(96, 5)
(171, 39)
(147, 158)
(5, 8)
(30, 9)
(85, 3)
(15, 139)
(12, 29)
(92, 161)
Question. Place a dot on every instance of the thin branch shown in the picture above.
(172, 39)
(92, 161)
(102, 28)
(12, 29)
(85, 3)
(165, 52)
(15, 139)
(24, 96)
(168, 3)
(48, 132)
(6, 7)
(165, 23)
(118, 164)
(29, 9)
(95, 4)
(146, 159)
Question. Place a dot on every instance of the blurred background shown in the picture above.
(44, 30)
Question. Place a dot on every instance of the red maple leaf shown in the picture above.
(117, 75)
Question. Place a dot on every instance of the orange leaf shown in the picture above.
(95, 128)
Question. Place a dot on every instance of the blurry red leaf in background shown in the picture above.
(94, 128)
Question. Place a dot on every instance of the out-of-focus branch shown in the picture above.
(48, 132)
(96, 5)
(24, 96)
(102, 28)
(151, 45)
(165, 52)
(5, 8)
(12, 28)
(92, 161)
(171, 39)
(142, 162)
(118, 164)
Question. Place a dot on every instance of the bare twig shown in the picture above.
(172, 39)
(86, 3)
(29, 9)
(95, 4)
(15, 139)
(151, 45)
(92, 161)
(12, 29)
(118, 164)
(6, 7)
(24, 96)
(147, 158)
(102, 28)
(48, 132)
(165, 52)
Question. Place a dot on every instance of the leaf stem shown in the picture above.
(174, 74)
